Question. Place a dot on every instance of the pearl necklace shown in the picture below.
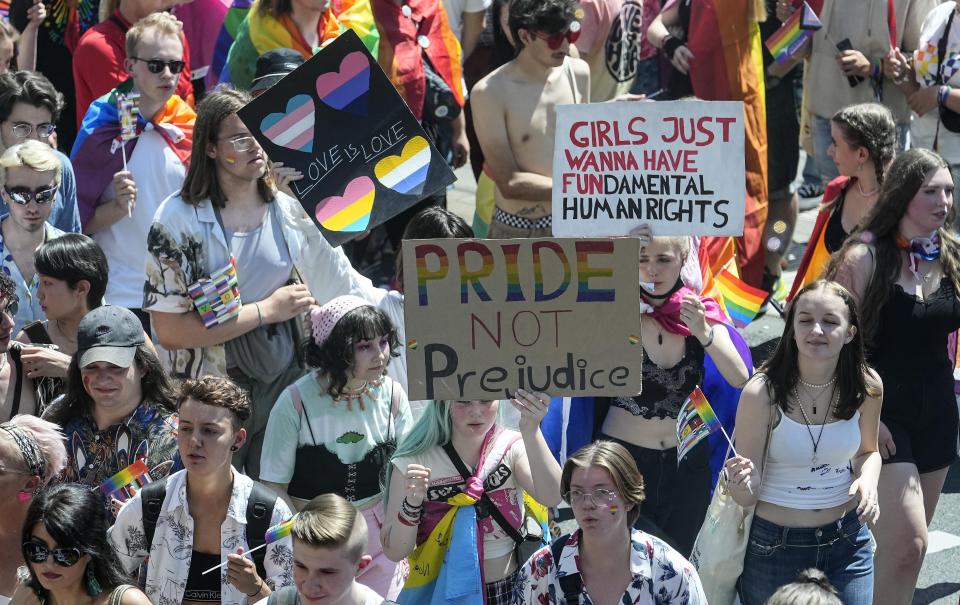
(810, 385)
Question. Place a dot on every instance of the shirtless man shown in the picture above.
(514, 113)
(10, 403)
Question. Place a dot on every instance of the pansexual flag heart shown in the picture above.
(347, 89)
(407, 172)
(293, 129)
(349, 212)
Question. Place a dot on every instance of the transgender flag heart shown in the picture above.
(348, 212)
(293, 129)
(347, 89)
(407, 172)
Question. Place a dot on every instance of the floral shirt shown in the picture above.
(172, 546)
(94, 455)
(185, 244)
(661, 575)
(28, 308)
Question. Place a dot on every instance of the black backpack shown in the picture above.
(259, 513)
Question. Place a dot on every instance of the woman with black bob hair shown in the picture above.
(69, 559)
(345, 417)
(72, 270)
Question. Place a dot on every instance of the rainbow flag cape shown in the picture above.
(741, 300)
(695, 422)
(446, 568)
(260, 32)
(791, 43)
(127, 482)
(96, 153)
(279, 531)
(236, 15)
(815, 255)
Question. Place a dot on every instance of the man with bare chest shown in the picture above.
(514, 113)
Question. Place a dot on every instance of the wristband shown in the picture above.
(259, 588)
(670, 46)
(943, 95)
(405, 521)
(259, 316)
(713, 330)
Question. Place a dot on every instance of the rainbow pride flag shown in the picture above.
(695, 422)
(790, 44)
(742, 301)
(127, 482)
(280, 531)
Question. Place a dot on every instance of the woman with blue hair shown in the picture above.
(459, 473)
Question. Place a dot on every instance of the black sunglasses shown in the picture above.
(38, 552)
(156, 65)
(23, 196)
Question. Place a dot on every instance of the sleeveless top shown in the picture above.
(909, 350)
(666, 389)
(203, 588)
(835, 235)
(791, 478)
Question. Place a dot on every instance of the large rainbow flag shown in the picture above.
(792, 41)
(815, 255)
(742, 300)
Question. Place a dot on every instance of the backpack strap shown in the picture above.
(151, 502)
(260, 505)
(571, 584)
(15, 352)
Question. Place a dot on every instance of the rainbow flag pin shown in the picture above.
(742, 301)
(790, 43)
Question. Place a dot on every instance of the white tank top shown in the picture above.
(793, 480)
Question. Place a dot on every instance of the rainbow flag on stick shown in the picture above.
(127, 482)
(277, 532)
(791, 43)
(742, 301)
(695, 422)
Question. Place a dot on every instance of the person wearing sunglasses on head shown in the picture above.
(99, 60)
(509, 107)
(68, 556)
(119, 191)
(30, 176)
(605, 560)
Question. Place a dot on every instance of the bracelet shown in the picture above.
(713, 330)
(405, 521)
(259, 588)
(943, 95)
(259, 315)
(670, 46)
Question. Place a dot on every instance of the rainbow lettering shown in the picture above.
(424, 274)
(538, 293)
(473, 277)
(585, 272)
(514, 291)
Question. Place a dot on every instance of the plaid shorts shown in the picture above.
(520, 222)
(501, 591)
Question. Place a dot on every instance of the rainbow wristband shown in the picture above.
(876, 69)
(943, 95)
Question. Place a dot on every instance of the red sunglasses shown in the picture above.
(555, 40)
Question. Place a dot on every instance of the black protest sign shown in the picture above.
(339, 120)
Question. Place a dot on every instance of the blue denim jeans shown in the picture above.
(776, 555)
(822, 139)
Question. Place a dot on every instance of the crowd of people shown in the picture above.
(273, 457)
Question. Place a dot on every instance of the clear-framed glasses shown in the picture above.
(598, 497)
(23, 130)
(242, 144)
(23, 196)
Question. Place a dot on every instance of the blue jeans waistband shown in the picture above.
(823, 535)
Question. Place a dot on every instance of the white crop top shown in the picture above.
(792, 479)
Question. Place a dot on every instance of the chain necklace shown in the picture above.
(810, 385)
(816, 442)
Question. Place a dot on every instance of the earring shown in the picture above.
(233, 448)
(93, 586)
(24, 495)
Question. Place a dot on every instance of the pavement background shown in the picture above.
(940, 577)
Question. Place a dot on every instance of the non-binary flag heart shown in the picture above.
(340, 122)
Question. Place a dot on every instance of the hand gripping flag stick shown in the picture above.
(128, 109)
(277, 532)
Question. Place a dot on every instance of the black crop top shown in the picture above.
(665, 390)
(834, 234)
(203, 588)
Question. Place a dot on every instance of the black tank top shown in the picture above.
(834, 234)
(203, 588)
(665, 390)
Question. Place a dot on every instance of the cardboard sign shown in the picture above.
(485, 317)
(677, 166)
(339, 120)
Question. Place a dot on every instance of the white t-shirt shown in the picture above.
(369, 596)
(456, 8)
(158, 172)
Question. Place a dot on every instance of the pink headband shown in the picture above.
(326, 317)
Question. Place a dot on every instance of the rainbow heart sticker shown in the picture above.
(347, 89)
(407, 172)
(294, 128)
(349, 212)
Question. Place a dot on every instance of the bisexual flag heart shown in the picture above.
(294, 128)
(348, 212)
(407, 172)
(347, 89)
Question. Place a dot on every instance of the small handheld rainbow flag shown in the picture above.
(790, 44)
(742, 301)
(695, 422)
(277, 532)
(127, 482)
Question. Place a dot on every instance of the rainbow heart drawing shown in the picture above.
(347, 89)
(349, 212)
(407, 172)
(294, 128)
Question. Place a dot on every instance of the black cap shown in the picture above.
(109, 333)
(272, 66)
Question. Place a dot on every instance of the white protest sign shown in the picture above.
(678, 166)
